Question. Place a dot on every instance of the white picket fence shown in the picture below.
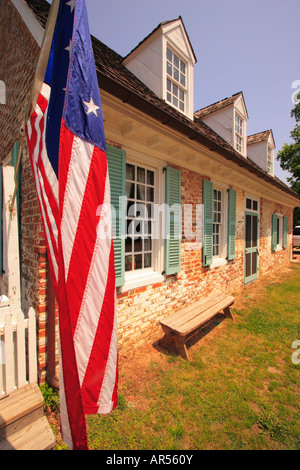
(18, 351)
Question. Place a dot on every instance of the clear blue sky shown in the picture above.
(240, 45)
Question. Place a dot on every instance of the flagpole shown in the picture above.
(39, 76)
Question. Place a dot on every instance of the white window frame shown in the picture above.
(238, 132)
(174, 82)
(221, 258)
(143, 277)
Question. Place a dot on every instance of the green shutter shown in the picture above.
(173, 221)
(285, 228)
(1, 220)
(274, 232)
(207, 223)
(231, 224)
(116, 161)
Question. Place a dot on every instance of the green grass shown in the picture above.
(239, 391)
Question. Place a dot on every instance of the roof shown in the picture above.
(164, 23)
(260, 137)
(117, 80)
(212, 108)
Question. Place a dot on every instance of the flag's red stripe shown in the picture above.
(93, 379)
(32, 143)
(82, 252)
(48, 191)
(71, 382)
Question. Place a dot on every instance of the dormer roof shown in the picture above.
(201, 113)
(260, 137)
(162, 28)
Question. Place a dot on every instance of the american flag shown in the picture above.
(68, 156)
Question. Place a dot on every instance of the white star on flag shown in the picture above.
(92, 107)
(69, 47)
(71, 4)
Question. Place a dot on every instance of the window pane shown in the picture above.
(175, 101)
(130, 172)
(138, 261)
(181, 94)
(176, 74)
(129, 263)
(181, 106)
(248, 204)
(169, 85)
(140, 195)
(254, 262)
(169, 69)
(147, 260)
(175, 90)
(150, 177)
(182, 66)
(141, 175)
(176, 61)
(182, 79)
(169, 97)
(138, 245)
(128, 245)
(130, 190)
(169, 55)
(248, 264)
(254, 231)
(147, 244)
(248, 231)
(150, 194)
(255, 205)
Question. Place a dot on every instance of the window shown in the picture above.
(176, 80)
(279, 232)
(270, 159)
(217, 222)
(140, 182)
(238, 133)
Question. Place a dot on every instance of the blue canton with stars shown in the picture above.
(71, 74)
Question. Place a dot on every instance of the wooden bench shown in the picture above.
(183, 324)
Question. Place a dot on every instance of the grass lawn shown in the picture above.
(239, 391)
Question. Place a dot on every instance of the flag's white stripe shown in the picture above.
(105, 404)
(50, 173)
(64, 417)
(79, 167)
(38, 187)
(49, 212)
(91, 306)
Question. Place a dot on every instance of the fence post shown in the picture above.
(32, 353)
(21, 352)
(9, 354)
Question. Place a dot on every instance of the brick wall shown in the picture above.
(19, 52)
(140, 310)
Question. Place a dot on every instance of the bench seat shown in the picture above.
(181, 325)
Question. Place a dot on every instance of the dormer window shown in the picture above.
(270, 159)
(238, 133)
(176, 80)
(164, 61)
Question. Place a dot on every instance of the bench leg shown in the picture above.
(181, 347)
(228, 313)
(166, 341)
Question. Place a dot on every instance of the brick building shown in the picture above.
(231, 218)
